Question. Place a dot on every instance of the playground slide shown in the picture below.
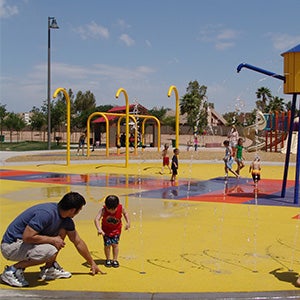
(250, 132)
(294, 143)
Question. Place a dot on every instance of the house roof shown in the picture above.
(102, 120)
(218, 116)
(294, 49)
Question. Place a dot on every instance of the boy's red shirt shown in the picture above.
(112, 223)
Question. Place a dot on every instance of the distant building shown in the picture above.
(26, 117)
(214, 118)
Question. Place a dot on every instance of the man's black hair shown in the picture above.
(71, 200)
(111, 202)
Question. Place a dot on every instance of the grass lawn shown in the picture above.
(29, 146)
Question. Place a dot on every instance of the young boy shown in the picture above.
(174, 165)
(228, 159)
(81, 143)
(111, 227)
(166, 159)
(255, 168)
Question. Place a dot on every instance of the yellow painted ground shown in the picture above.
(172, 246)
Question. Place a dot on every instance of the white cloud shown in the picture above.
(148, 43)
(127, 40)
(123, 25)
(102, 80)
(92, 31)
(6, 10)
(222, 38)
(219, 45)
(226, 34)
(283, 41)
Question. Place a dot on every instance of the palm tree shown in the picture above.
(264, 95)
(276, 104)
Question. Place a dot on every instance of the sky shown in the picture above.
(145, 47)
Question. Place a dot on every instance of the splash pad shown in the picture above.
(197, 236)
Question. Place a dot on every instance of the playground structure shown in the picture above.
(295, 141)
(121, 116)
(291, 86)
(251, 132)
(276, 130)
(270, 132)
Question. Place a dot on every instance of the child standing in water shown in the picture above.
(81, 143)
(233, 136)
(166, 159)
(228, 159)
(111, 227)
(174, 165)
(255, 169)
(239, 156)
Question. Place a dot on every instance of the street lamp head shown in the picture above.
(53, 24)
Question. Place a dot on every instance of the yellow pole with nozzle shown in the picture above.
(121, 90)
(173, 88)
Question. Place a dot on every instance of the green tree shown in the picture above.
(84, 106)
(170, 121)
(159, 113)
(194, 104)
(14, 122)
(3, 114)
(264, 95)
(230, 118)
(38, 119)
(59, 114)
(276, 104)
(104, 108)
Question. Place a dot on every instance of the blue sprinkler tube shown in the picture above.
(244, 65)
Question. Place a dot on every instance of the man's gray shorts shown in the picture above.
(19, 251)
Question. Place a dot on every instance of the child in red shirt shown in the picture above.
(111, 214)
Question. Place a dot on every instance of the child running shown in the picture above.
(255, 169)
(228, 160)
(239, 155)
(174, 165)
(166, 159)
(111, 227)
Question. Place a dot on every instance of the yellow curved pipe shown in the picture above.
(173, 88)
(121, 115)
(88, 131)
(68, 119)
(143, 129)
(145, 117)
(121, 90)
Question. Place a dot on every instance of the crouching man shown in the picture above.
(37, 235)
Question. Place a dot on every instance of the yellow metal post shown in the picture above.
(173, 88)
(127, 122)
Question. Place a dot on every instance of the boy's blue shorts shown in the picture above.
(109, 240)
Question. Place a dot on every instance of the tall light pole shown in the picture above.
(51, 25)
